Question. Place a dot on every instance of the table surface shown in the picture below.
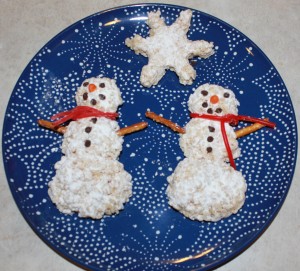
(25, 26)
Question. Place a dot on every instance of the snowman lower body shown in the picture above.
(206, 190)
(89, 179)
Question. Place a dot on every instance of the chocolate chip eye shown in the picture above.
(205, 105)
(102, 97)
(204, 92)
(102, 85)
(219, 110)
(93, 102)
(85, 96)
(85, 84)
(226, 95)
(209, 111)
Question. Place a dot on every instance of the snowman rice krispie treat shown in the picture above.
(204, 186)
(203, 137)
(89, 180)
(168, 48)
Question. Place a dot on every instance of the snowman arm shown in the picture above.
(50, 125)
(249, 129)
(239, 133)
(132, 128)
(142, 125)
(121, 132)
(159, 119)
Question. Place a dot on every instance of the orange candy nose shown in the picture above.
(92, 87)
(214, 99)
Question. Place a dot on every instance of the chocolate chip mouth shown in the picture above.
(210, 111)
(205, 104)
(85, 96)
(102, 97)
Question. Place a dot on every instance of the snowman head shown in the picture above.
(214, 100)
(100, 93)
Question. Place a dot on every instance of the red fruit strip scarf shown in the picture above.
(232, 120)
(81, 112)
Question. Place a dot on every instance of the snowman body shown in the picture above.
(204, 186)
(89, 179)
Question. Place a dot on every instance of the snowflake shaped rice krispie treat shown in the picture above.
(168, 47)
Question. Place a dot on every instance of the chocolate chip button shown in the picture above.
(94, 120)
(88, 129)
(210, 139)
(209, 149)
(211, 129)
(87, 143)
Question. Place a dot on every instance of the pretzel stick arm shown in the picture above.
(123, 131)
(49, 125)
(249, 129)
(175, 127)
(142, 125)
(132, 128)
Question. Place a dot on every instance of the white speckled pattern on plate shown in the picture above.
(147, 234)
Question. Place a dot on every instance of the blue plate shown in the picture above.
(147, 234)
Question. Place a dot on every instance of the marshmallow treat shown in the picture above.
(89, 180)
(168, 47)
(203, 186)
(202, 190)
(203, 138)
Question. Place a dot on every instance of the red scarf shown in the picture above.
(232, 120)
(81, 112)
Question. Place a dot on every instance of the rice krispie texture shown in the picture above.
(168, 47)
(199, 101)
(105, 96)
(92, 137)
(203, 139)
(89, 180)
(91, 186)
(206, 190)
